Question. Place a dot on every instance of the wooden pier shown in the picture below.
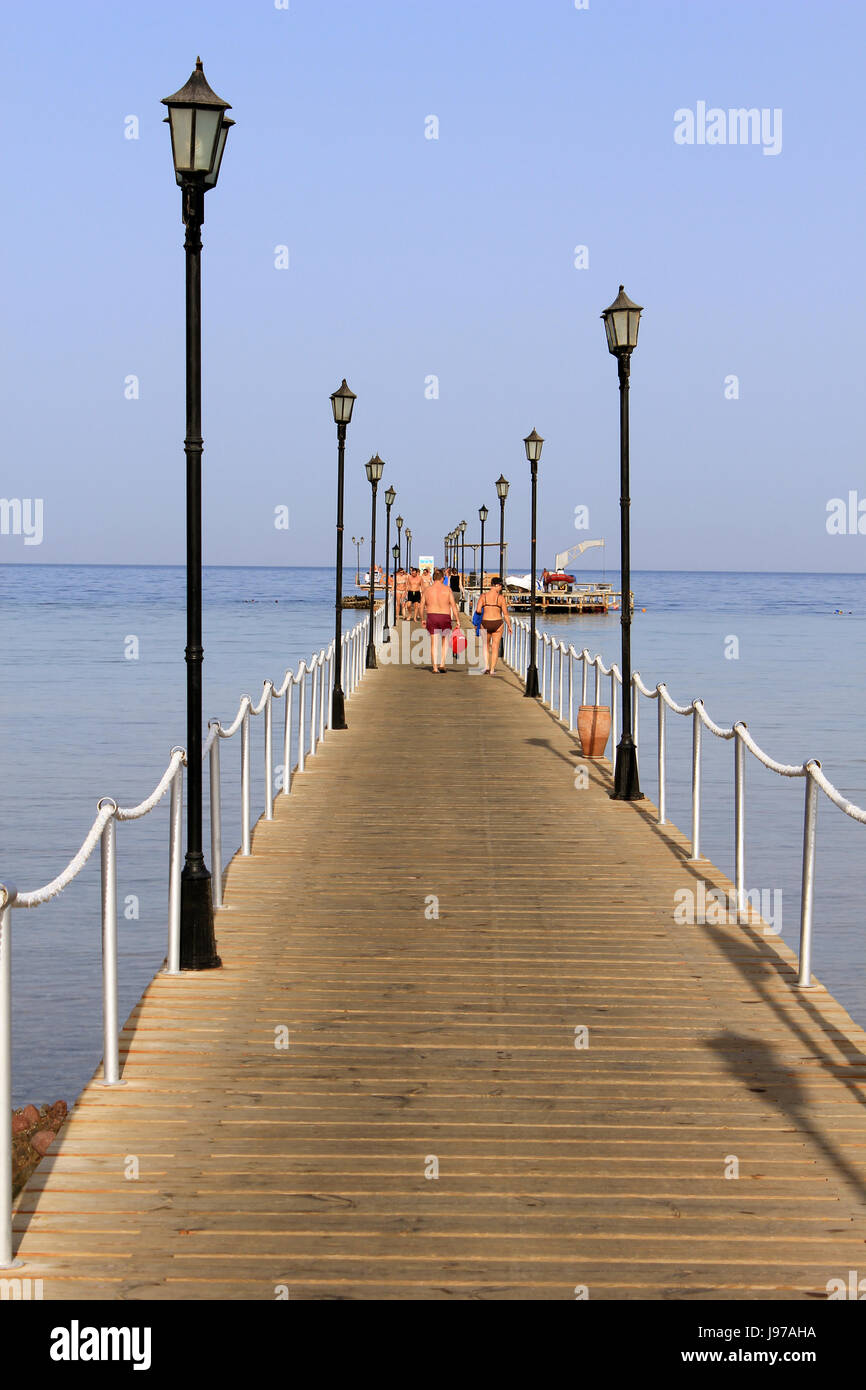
(587, 599)
(509, 1074)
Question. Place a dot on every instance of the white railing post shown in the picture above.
(314, 715)
(807, 896)
(635, 717)
(332, 652)
(287, 737)
(662, 760)
(614, 723)
(302, 714)
(7, 897)
(323, 694)
(696, 784)
(110, 1057)
(216, 814)
(598, 679)
(740, 822)
(571, 656)
(269, 754)
(245, 780)
(561, 655)
(584, 676)
(175, 860)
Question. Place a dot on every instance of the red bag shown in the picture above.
(458, 641)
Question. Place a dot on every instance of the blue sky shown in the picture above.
(411, 258)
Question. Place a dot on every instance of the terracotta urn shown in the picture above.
(593, 728)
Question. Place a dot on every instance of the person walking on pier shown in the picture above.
(439, 610)
(454, 581)
(493, 607)
(426, 581)
(413, 594)
(402, 585)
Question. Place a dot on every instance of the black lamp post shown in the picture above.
(395, 551)
(462, 551)
(374, 473)
(502, 492)
(342, 403)
(408, 548)
(399, 524)
(482, 516)
(621, 323)
(533, 443)
(199, 127)
(390, 495)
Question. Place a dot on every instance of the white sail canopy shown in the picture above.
(566, 556)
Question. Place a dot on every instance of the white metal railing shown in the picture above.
(517, 655)
(103, 832)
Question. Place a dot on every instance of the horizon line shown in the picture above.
(101, 564)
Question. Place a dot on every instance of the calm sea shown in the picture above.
(93, 690)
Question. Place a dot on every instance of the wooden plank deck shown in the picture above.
(228, 1167)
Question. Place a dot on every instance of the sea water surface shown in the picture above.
(93, 698)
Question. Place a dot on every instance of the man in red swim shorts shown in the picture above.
(438, 609)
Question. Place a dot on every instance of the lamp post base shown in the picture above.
(197, 943)
(338, 709)
(532, 688)
(371, 662)
(626, 784)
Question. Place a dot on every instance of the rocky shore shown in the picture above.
(33, 1133)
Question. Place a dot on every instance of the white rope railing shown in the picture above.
(518, 656)
(103, 832)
